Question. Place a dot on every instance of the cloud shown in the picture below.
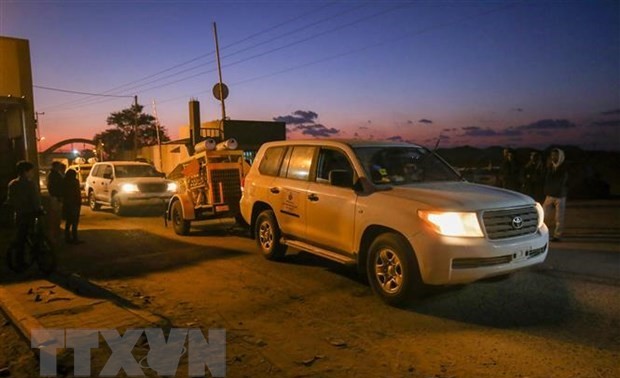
(298, 117)
(477, 131)
(409, 122)
(548, 124)
(363, 127)
(610, 123)
(545, 133)
(305, 121)
(519, 110)
(317, 130)
(611, 112)
(424, 120)
(395, 138)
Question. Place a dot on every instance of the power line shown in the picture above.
(356, 50)
(238, 51)
(85, 101)
(290, 44)
(79, 92)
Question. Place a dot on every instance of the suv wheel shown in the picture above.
(181, 226)
(117, 206)
(92, 202)
(393, 270)
(267, 236)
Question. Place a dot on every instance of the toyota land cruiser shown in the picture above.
(397, 211)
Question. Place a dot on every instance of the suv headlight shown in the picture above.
(541, 215)
(172, 186)
(130, 188)
(452, 223)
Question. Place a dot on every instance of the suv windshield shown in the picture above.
(402, 165)
(136, 171)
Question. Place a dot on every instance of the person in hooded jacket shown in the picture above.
(556, 190)
(72, 202)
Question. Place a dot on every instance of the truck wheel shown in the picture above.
(393, 270)
(268, 236)
(180, 225)
(117, 206)
(92, 202)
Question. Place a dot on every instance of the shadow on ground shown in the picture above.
(115, 254)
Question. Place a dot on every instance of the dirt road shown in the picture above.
(309, 317)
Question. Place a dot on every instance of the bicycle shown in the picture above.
(37, 247)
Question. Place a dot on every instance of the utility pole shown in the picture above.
(219, 71)
(36, 124)
(161, 157)
(135, 127)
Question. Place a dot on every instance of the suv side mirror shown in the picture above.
(341, 178)
(364, 186)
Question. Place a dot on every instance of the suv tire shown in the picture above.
(180, 225)
(117, 206)
(392, 269)
(92, 202)
(267, 235)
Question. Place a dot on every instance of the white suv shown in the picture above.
(397, 211)
(124, 184)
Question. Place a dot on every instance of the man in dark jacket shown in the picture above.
(23, 197)
(509, 171)
(556, 190)
(54, 188)
(71, 202)
(533, 177)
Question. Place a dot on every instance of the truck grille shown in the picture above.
(502, 224)
(153, 187)
(231, 185)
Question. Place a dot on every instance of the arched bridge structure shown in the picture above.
(65, 142)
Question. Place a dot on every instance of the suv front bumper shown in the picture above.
(144, 199)
(455, 260)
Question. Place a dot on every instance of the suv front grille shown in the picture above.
(153, 187)
(231, 185)
(502, 224)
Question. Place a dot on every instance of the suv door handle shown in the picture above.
(274, 190)
(313, 197)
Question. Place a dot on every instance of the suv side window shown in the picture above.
(300, 163)
(98, 171)
(107, 171)
(330, 160)
(270, 164)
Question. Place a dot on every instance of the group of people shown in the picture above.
(543, 182)
(65, 199)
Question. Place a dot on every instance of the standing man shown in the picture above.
(24, 199)
(54, 188)
(556, 190)
(533, 177)
(72, 202)
(509, 171)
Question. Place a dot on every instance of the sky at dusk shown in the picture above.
(481, 73)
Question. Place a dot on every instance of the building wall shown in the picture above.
(17, 124)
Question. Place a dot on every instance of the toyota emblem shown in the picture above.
(517, 223)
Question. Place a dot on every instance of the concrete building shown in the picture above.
(17, 122)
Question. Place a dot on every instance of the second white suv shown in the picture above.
(125, 184)
(397, 211)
